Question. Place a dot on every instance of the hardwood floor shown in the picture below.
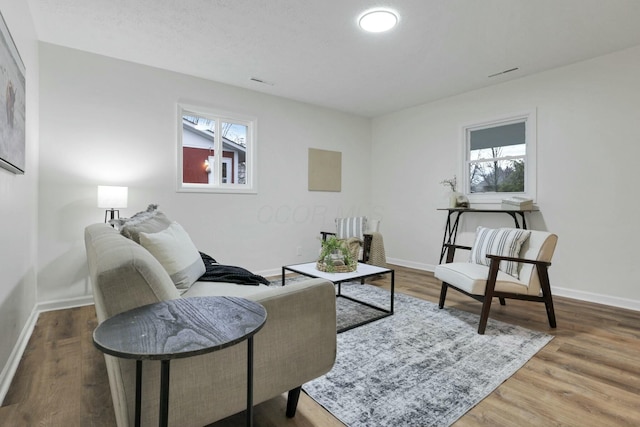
(588, 375)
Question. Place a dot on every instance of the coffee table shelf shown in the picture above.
(362, 272)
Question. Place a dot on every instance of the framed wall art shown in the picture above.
(12, 104)
(325, 170)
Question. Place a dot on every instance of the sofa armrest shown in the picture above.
(300, 329)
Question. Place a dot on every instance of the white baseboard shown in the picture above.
(596, 298)
(11, 366)
(411, 264)
(556, 291)
(65, 303)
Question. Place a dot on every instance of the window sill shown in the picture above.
(195, 188)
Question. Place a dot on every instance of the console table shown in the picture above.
(451, 227)
(180, 328)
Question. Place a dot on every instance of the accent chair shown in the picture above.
(504, 263)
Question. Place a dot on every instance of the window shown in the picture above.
(500, 159)
(216, 151)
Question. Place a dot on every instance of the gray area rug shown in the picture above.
(420, 367)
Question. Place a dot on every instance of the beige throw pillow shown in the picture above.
(173, 248)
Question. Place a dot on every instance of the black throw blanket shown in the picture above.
(228, 273)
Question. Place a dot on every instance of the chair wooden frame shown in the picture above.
(490, 292)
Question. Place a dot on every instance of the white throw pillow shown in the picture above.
(501, 241)
(173, 248)
(351, 227)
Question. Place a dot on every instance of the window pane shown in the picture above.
(501, 176)
(198, 141)
(498, 152)
(498, 136)
(234, 140)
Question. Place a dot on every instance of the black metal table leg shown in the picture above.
(450, 232)
(250, 382)
(164, 393)
(393, 285)
(524, 221)
(138, 392)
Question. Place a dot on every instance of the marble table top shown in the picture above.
(179, 328)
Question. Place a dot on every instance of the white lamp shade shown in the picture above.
(111, 197)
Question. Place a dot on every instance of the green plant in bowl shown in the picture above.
(335, 254)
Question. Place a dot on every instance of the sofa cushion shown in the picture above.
(501, 241)
(173, 248)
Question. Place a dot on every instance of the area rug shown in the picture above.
(420, 367)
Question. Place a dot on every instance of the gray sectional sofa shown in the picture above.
(296, 345)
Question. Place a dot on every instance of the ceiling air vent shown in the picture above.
(504, 72)
(257, 80)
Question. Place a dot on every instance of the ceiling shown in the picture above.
(313, 51)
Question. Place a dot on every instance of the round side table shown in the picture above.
(165, 330)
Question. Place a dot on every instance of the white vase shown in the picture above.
(453, 199)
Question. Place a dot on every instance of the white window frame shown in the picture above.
(529, 118)
(220, 116)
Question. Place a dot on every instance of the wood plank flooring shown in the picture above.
(588, 375)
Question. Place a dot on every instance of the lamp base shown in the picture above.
(110, 214)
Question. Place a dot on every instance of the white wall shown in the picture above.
(18, 207)
(105, 121)
(588, 151)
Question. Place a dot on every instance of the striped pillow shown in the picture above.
(351, 227)
(501, 241)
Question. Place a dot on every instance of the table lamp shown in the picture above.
(112, 197)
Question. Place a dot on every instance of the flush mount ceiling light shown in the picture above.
(378, 20)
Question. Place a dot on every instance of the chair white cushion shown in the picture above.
(351, 227)
(472, 278)
(176, 252)
(501, 241)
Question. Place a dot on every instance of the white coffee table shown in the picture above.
(362, 272)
